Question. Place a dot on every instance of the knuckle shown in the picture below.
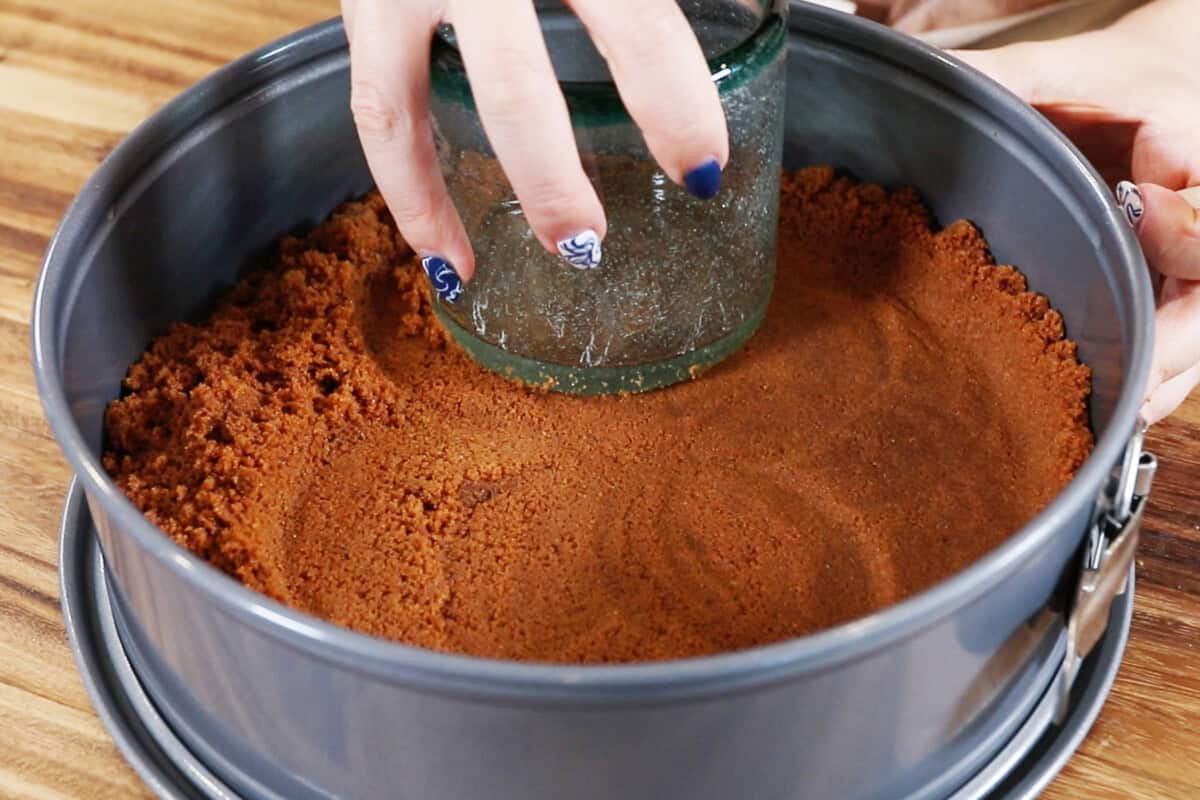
(1191, 232)
(1175, 252)
(376, 114)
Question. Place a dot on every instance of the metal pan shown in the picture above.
(1020, 771)
(911, 701)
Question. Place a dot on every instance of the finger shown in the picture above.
(1177, 332)
(1079, 73)
(389, 96)
(666, 85)
(348, 7)
(1165, 154)
(1167, 225)
(1168, 397)
(1018, 67)
(1108, 94)
(526, 120)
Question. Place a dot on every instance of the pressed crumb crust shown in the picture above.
(906, 406)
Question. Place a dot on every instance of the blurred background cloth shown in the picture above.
(988, 23)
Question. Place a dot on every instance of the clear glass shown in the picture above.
(684, 282)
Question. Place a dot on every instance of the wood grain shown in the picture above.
(74, 79)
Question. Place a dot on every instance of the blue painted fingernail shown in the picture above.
(704, 181)
(582, 250)
(443, 278)
(1133, 206)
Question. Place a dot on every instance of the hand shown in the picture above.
(1129, 96)
(651, 52)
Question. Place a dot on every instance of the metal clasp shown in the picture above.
(1108, 554)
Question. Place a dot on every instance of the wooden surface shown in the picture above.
(74, 79)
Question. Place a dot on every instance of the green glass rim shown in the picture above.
(631, 379)
(596, 104)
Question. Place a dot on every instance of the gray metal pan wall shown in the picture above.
(909, 700)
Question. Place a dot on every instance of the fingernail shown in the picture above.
(582, 250)
(443, 278)
(704, 181)
(1129, 197)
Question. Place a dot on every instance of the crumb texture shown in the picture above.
(906, 406)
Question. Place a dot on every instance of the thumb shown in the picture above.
(1073, 84)
(1168, 228)
(1176, 348)
(1163, 401)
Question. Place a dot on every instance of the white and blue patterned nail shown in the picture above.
(1133, 206)
(443, 278)
(582, 250)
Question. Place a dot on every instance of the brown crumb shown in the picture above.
(905, 407)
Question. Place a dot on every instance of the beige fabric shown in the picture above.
(1050, 22)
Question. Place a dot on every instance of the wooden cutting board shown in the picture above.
(74, 79)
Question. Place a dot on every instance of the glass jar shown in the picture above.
(684, 282)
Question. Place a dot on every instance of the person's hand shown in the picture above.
(1129, 97)
(654, 58)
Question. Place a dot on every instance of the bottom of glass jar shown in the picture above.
(602, 380)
